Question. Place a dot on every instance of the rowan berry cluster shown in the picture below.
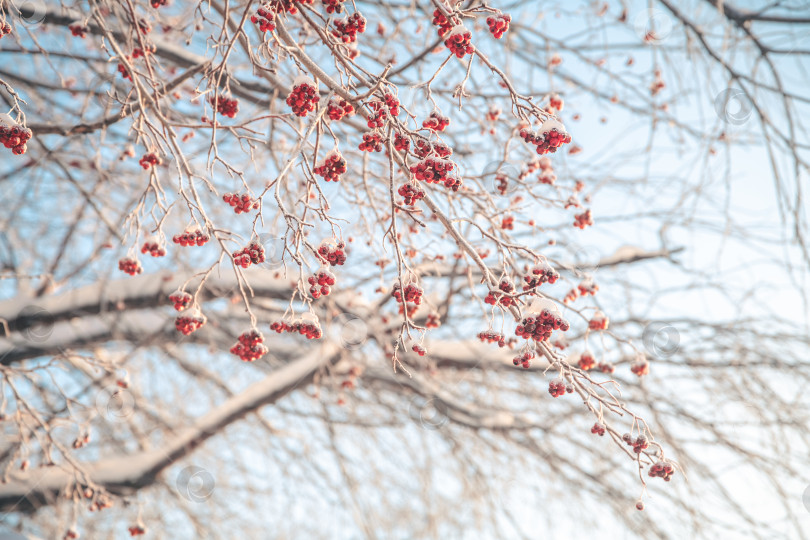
(334, 6)
(149, 160)
(542, 319)
(435, 170)
(599, 321)
(332, 167)
(541, 272)
(459, 41)
(640, 367)
(492, 337)
(187, 324)
(499, 24)
(332, 252)
(253, 253)
(137, 52)
(586, 361)
(191, 238)
(418, 349)
(250, 346)
(436, 122)
(153, 248)
(498, 297)
(372, 142)
(598, 429)
(555, 102)
(338, 107)
(304, 96)
(320, 283)
(524, 359)
(78, 30)
(639, 444)
(181, 300)
(130, 266)
(583, 220)
(411, 192)
(606, 367)
(5, 29)
(265, 17)
(508, 223)
(444, 24)
(307, 326)
(157, 3)
(122, 69)
(412, 293)
(401, 142)
(557, 388)
(425, 147)
(241, 204)
(433, 320)
(224, 106)
(347, 29)
(548, 139)
(14, 136)
(662, 469)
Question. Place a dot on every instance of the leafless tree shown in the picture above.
(404, 269)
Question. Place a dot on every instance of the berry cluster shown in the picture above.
(137, 52)
(333, 253)
(411, 192)
(265, 17)
(332, 167)
(662, 469)
(586, 361)
(191, 238)
(224, 106)
(499, 24)
(433, 321)
(122, 69)
(337, 108)
(606, 367)
(418, 349)
(639, 444)
(307, 326)
(304, 96)
(492, 337)
(130, 266)
(587, 287)
(524, 359)
(444, 24)
(347, 29)
(598, 429)
(138, 530)
(555, 102)
(372, 142)
(250, 346)
(436, 122)
(508, 223)
(540, 273)
(459, 41)
(252, 254)
(540, 328)
(78, 30)
(149, 160)
(548, 139)
(320, 283)
(186, 324)
(5, 28)
(153, 248)
(401, 142)
(583, 220)
(434, 170)
(156, 4)
(557, 388)
(413, 293)
(13, 135)
(425, 147)
(599, 321)
(334, 6)
(181, 300)
(640, 367)
(241, 204)
(498, 297)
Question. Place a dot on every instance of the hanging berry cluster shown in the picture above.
(459, 41)
(662, 469)
(489, 336)
(542, 319)
(13, 135)
(338, 107)
(599, 321)
(157, 3)
(130, 266)
(191, 238)
(304, 96)
(187, 324)
(5, 29)
(181, 300)
(586, 361)
(524, 359)
(401, 142)
(241, 204)
(425, 147)
(347, 29)
(265, 17)
(307, 326)
(598, 429)
(445, 24)
(498, 297)
(332, 252)
(320, 283)
(250, 346)
(413, 293)
(418, 349)
(153, 248)
(334, 6)
(253, 253)
(139, 530)
(436, 122)
(639, 444)
(332, 167)
(435, 170)
(640, 367)
(558, 388)
(78, 30)
(372, 142)
(149, 160)
(225, 106)
(551, 136)
(583, 220)
(541, 272)
(411, 192)
(499, 24)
